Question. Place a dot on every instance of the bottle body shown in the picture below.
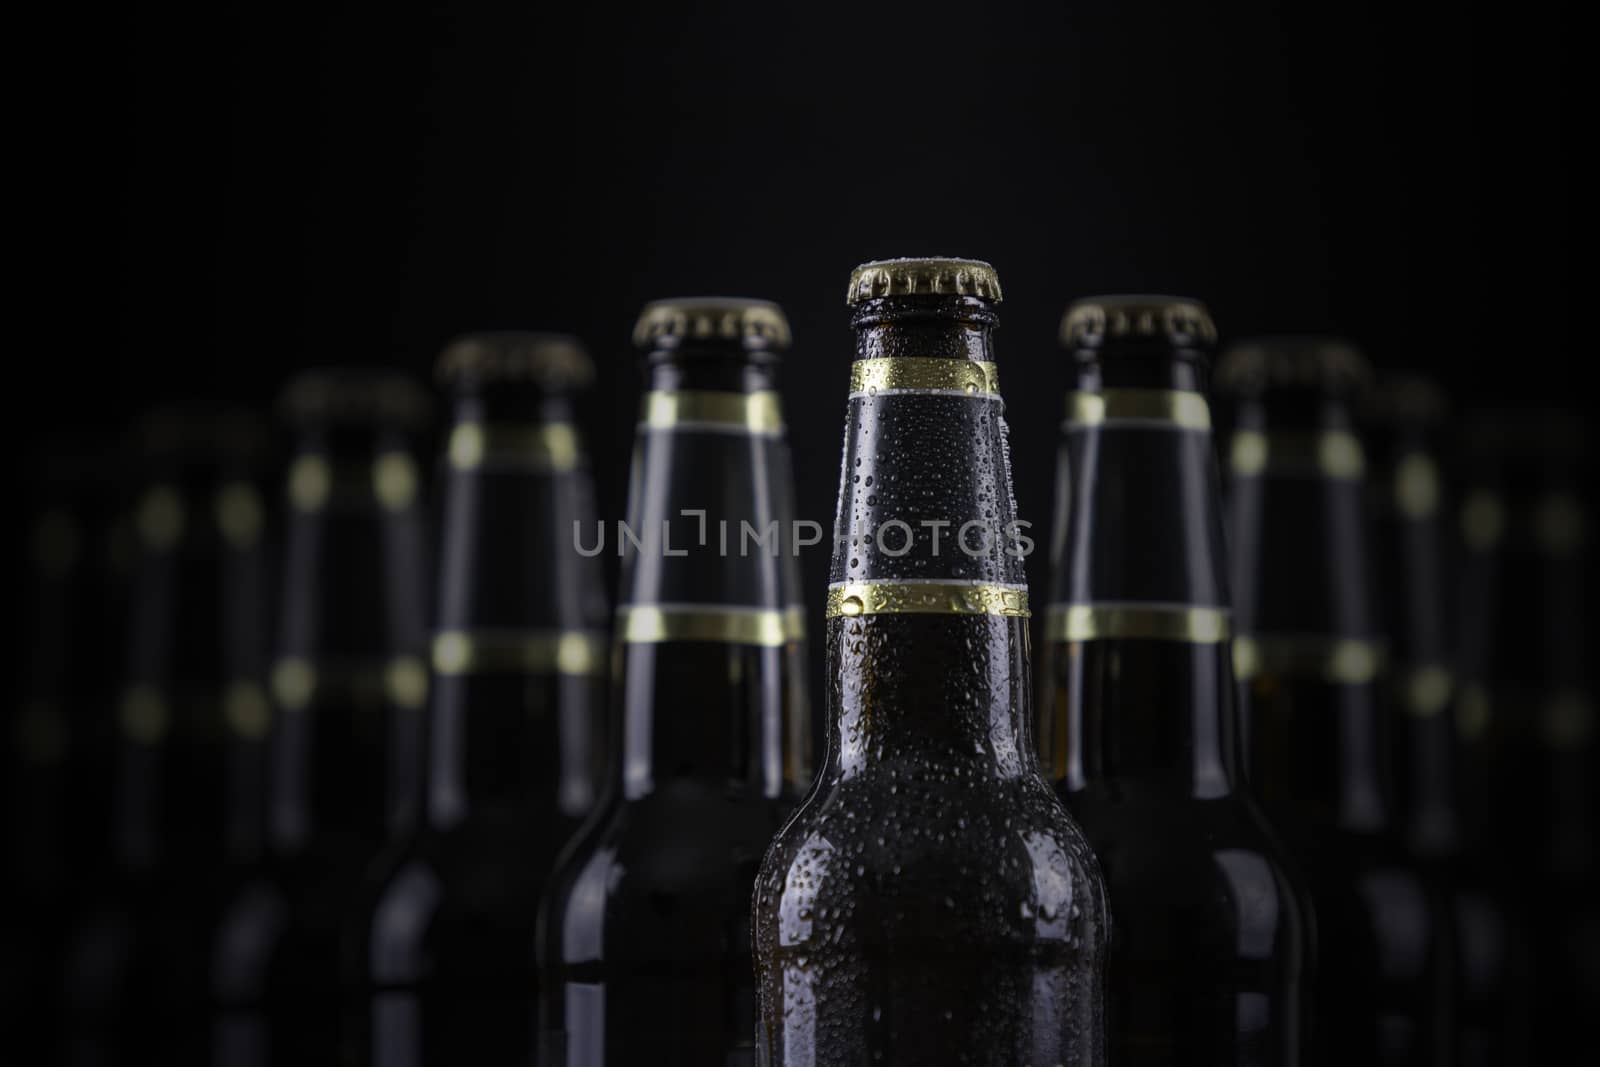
(186, 802)
(1524, 713)
(1210, 950)
(930, 901)
(437, 953)
(347, 686)
(1308, 657)
(644, 937)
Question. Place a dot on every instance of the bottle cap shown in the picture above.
(552, 360)
(1405, 399)
(355, 395)
(933, 276)
(669, 323)
(1090, 322)
(1314, 364)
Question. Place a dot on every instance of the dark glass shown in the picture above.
(55, 749)
(1526, 712)
(347, 687)
(1210, 940)
(1308, 650)
(196, 616)
(438, 955)
(644, 942)
(1413, 562)
(931, 902)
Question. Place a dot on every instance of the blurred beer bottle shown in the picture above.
(645, 934)
(347, 685)
(1526, 713)
(931, 902)
(56, 753)
(1210, 945)
(1405, 417)
(438, 962)
(195, 630)
(1308, 654)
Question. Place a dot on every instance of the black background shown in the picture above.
(236, 194)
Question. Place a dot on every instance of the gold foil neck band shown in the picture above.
(1340, 660)
(1428, 688)
(913, 374)
(758, 413)
(1332, 454)
(314, 482)
(403, 681)
(552, 446)
(574, 652)
(1153, 407)
(1187, 623)
(647, 624)
(849, 599)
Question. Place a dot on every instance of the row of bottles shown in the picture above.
(1302, 778)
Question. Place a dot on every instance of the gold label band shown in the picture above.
(1341, 660)
(144, 714)
(42, 735)
(314, 482)
(648, 624)
(1428, 688)
(849, 599)
(1566, 723)
(1141, 621)
(551, 446)
(575, 652)
(1171, 408)
(758, 413)
(1416, 486)
(1334, 454)
(912, 374)
(403, 681)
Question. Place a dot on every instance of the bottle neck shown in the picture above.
(709, 628)
(348, 678)
(1307, 649)
(518, 651)
(927, 602)
(1139, 619)
(1407, 506)
(192, 716)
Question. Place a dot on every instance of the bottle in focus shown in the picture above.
(931, 902)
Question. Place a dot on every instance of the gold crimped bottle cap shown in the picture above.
(355, 395)
(933, 276)
(226, 434)
(669, 323)
(1319, 364)
(1401, 399)
(1090, 322)
(551, 360)
(1542, 434)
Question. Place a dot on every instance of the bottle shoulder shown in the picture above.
(684, 856)
(996, 860)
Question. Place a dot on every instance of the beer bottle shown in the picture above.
(347, 685)
(439, 960)
(1209, 948)
(931, 901)
(1405, 418)
(1308, 653)
(644, 941)
(1526, 714)
(53, 762)
(196, 616)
